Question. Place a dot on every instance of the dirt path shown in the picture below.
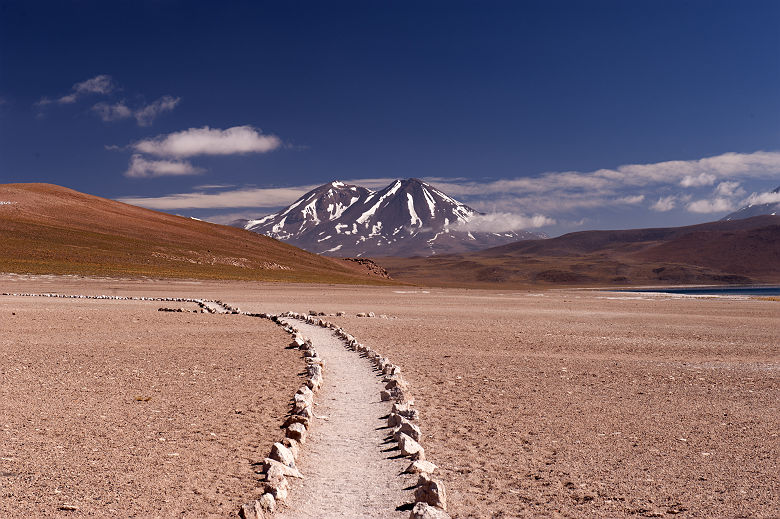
(349, 469)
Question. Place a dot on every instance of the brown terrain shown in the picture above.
(737, 251)
(48, 229)
(535, 402)
(120, 410)
(560, 403)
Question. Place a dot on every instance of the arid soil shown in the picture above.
(572, 404)
(534, 404)
(120, 410)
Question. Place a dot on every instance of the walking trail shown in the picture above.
(348, 468)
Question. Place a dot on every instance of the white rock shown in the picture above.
(270, 465)
(409, 429)
(409, 447)
(283, 455)
(426, 511)
(420, 466)
(267, 502)
(297, 432)
(431, 491)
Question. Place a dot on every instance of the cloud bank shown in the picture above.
(504, 222)
(248, 197)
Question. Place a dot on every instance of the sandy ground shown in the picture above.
(561, 403)
(578, 405)
(351, 469)
(121, 410)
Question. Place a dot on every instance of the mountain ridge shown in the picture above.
(723, 252)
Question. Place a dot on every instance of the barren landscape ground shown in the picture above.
(556, 403)
(121, 410)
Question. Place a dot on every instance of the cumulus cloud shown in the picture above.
(716, 205)
(630, 200)
(702, 179)
(102, 84)
(760, 164)
(112, 112)
(143, 168)
(237, 140)
(147, 114)
(729, 189)
(247, 197)
(665, 203)
(503, 222)
(144, 114)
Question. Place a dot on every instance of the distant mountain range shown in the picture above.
(737, 251)
(407, 218)
(749, 211)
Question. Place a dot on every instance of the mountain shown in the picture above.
(48, 229)
(749, 211)
(736, 251)
(407, 218)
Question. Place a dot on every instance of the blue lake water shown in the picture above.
(717, 291)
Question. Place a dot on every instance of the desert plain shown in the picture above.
(533, 403)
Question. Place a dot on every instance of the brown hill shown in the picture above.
(51, 229)
(738, 251)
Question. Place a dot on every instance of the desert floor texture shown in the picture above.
(559, 403)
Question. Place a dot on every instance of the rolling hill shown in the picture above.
(735, 251)
(46, 228)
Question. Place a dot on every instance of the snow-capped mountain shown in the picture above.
(407, 218)
(755, 210)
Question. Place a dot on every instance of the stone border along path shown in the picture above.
(430, 495)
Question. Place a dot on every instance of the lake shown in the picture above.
(748, 290)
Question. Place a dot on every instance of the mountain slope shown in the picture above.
(738, 251)
(407, 218)
(771, 208)
(51, 229)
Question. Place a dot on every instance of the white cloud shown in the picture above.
(144, 115)
(143, 168)
(112, 112)
(630, 200)
(102, 84)
(666, 203)
(503, 222)
(147, 114)
(729, 189)
(760, 164)
(763, 198)
(209, 141)
(214, 186)
(702, 179)
(716, 205)
(248, 197)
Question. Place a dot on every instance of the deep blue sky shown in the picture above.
(472, 92)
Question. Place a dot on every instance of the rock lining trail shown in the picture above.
(351, 469)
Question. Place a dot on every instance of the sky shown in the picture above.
(556, 115)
